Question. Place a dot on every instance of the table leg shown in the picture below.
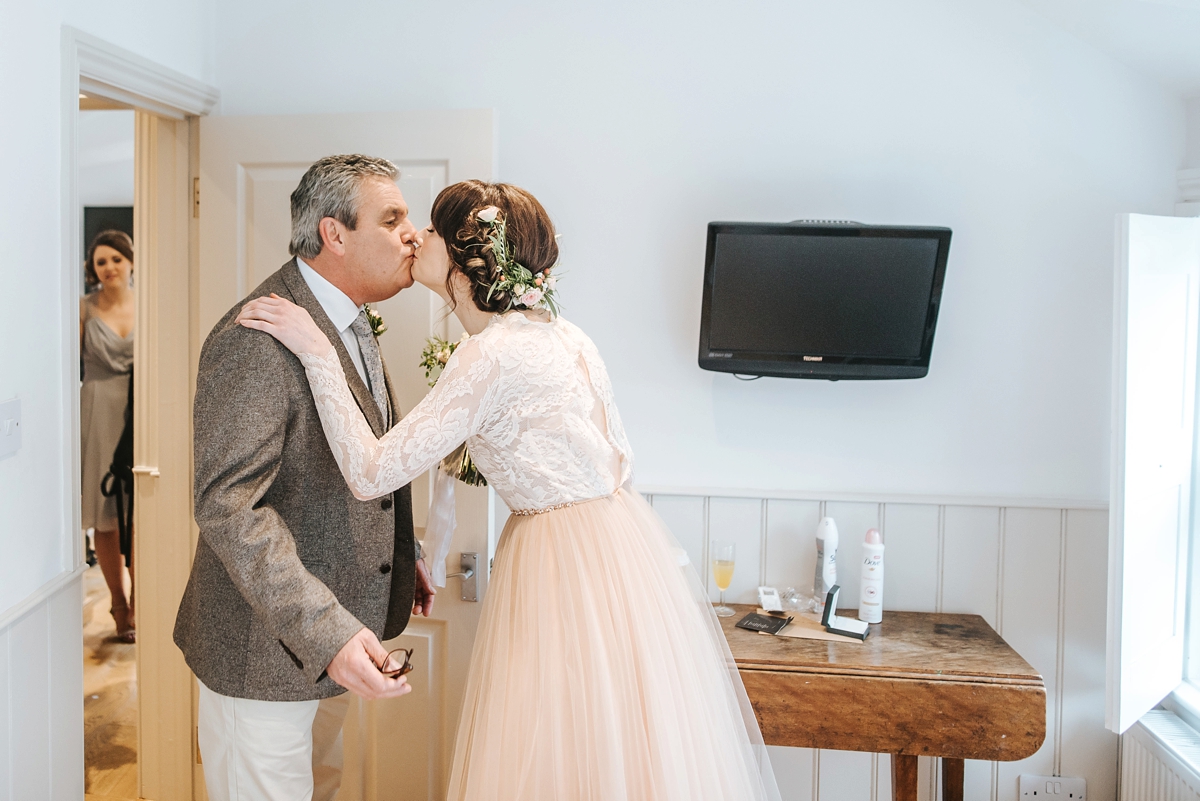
(904, 777)
(952, 779)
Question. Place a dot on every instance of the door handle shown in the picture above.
(468, 563)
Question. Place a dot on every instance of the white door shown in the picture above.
(399, 749)
(1156, 294)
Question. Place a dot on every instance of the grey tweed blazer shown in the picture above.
(289, 565)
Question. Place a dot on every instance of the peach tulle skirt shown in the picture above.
(600, 672)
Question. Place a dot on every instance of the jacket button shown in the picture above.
(385, 568)
(385, 504)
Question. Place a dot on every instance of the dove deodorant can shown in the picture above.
(870, 603)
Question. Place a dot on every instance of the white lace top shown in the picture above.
(531, 399)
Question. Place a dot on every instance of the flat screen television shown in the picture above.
(821, 300)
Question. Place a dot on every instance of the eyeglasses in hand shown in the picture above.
(404, 668)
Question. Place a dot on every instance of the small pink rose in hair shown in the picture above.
(488, 215)
(537, 281)
(531, 298)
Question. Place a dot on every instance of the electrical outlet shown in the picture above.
(10, 427)
(1053, 788)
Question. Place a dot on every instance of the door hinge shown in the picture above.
(196, 196)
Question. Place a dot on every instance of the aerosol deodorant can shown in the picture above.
(827, 545)
(870, 603)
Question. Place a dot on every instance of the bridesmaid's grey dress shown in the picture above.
(107, 363)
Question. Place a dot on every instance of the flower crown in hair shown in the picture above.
(525, 290)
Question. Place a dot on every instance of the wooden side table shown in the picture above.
(921, 685)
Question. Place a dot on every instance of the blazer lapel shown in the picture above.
(303, 296)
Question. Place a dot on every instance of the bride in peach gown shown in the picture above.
(600, 671)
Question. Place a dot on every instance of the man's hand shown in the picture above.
(356, 667)
(423, 600)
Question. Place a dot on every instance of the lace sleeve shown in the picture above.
(440, 423)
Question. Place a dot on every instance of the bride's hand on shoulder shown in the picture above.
(290, 324)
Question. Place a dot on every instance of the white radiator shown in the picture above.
(1160, 759)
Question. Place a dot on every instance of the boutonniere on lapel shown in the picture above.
(378, 326)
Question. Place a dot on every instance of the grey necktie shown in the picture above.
(373, 362)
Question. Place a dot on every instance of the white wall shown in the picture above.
(105, 158)
(35, 533)
(1192, 158)
(41, 685)
(637, 123)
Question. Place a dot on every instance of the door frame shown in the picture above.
(166, 347)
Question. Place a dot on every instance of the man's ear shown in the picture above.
(333, 235)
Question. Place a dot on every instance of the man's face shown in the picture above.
(379, 252)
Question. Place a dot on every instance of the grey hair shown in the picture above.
(330, 188)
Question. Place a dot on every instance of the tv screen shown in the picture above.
(821, 300)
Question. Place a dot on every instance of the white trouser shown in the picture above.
(268, 750)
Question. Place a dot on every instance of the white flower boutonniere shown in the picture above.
(378, 326)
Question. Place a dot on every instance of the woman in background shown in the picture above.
(106, 318)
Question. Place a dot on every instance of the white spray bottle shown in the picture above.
(827, 545)
(870, 603)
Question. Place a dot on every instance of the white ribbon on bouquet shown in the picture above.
(439, 528)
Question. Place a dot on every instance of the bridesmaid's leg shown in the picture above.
(130, 571)
(112, 565)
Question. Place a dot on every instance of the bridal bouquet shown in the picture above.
(458, 464)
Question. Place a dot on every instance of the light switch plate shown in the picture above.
(1052, 788)
(10, 427)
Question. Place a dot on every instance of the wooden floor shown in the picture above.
(109, 701)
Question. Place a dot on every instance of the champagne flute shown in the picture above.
(723, 554)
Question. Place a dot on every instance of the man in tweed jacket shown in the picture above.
(295, 582)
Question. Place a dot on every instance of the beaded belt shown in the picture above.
(557, 506)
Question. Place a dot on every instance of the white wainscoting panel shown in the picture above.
(845, 775)
(1029, 619)
(29, 694)
(796, 772)
(791, 559)
(1035, 570)
(687, 517)
(6, 719)
(66, 691)
(1088, 749)
(41, 695)
(910, 576)
(740, 521)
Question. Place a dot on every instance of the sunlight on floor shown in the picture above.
(110, 700)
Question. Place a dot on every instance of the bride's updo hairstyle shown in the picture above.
(530, 235)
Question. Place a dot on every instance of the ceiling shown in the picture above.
(1158, 38)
